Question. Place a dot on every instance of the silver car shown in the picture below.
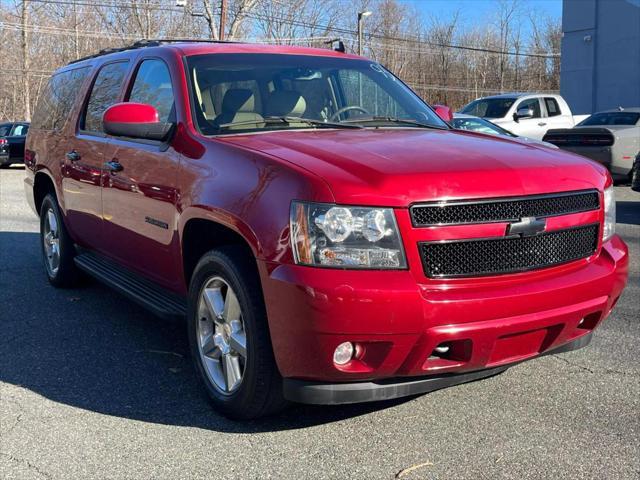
(611, 137)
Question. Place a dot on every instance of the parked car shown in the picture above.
(525, 114)
(611, 137)
(12, 136)
(323, 246)
(635, 174)
(461, 121)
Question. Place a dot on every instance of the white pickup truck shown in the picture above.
(525, 114)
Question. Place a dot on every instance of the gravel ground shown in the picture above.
(92, 386)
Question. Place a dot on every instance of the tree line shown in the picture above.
(450, 60)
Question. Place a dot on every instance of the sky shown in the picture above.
(472, 11)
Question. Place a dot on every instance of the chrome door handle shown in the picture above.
(541, 124)
(73, 156)
(114, 166)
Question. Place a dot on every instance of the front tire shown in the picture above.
(229, 336)
(58, 249)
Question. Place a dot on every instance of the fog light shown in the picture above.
(442, 349)
(343, 353)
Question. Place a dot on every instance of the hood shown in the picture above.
(397, 166)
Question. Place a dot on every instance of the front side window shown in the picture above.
(152, 86)
(489, 107)
(20, 130)
(269, 91)
(533, 104)
(104, 93)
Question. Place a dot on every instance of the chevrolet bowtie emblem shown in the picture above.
(527, 227)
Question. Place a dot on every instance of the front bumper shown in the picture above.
(399, 320)
(318, 393)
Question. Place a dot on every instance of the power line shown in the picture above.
(302, 23)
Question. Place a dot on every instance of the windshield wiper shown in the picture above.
(287, 120)
(379, 119)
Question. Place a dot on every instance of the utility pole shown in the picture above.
(361, 17)
(75, 29)
(25, 61)
(223, 18)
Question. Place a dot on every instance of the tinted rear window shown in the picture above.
(5, 129)
(612, 118)
(58, 98)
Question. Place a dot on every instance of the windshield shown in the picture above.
(247, 92)
(612, 118)
(479, 125)
(489, 107)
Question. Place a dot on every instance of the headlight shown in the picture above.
(345, 237)
(609, 227)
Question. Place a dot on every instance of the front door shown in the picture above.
(139, 193)
(534, 127)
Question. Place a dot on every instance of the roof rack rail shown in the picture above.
(156, 42)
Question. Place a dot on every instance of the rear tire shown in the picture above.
(229, 336)
(58, 249)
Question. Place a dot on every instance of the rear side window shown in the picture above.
(58, 98)
(152, 85)
(553, 109)
(5, 130)
(104, 93)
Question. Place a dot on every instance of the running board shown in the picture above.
(154, 298)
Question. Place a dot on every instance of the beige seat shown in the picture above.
(238, 105)
(285, 103)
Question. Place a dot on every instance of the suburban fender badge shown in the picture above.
(156, 222)
(527, 227)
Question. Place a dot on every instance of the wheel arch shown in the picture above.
(43, 184)
(202, 230)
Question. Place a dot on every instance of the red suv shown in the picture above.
(328, 238)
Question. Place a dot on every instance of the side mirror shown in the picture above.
(524, 112)
(135, 120)
(444, 112)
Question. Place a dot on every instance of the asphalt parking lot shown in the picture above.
(92, 386)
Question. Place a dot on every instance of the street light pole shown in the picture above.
(361, 17)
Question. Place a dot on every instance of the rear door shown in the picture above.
(553, 114)
(139, 200)
(534, 127)
(84, 156)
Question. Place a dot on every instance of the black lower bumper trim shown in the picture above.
(318, 393)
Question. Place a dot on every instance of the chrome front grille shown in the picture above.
(509, 209)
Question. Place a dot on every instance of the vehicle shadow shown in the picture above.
(93, 349)
(628, 212)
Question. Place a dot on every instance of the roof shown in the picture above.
(198, 47)
(519, 94)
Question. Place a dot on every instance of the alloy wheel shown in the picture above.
(222, 340)
(51, 241)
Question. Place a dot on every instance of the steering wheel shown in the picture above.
(336, 116)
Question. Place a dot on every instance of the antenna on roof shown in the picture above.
(340, 47)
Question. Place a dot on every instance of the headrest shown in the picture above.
(284, 103)
(238, 100)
